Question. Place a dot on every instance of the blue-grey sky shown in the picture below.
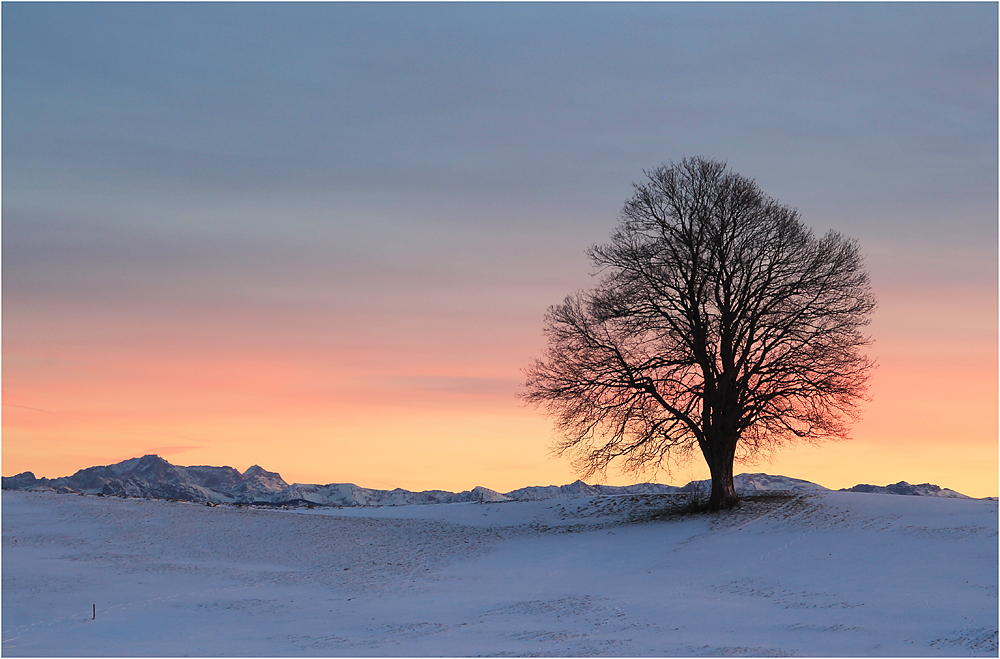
(392, 193)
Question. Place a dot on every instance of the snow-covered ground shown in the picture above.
(828, 573)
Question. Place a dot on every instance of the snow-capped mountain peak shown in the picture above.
(153, 477)
(904, 488)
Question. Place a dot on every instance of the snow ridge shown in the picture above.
(760, 483)
(152, 477)
(579, 488)
(904, 488)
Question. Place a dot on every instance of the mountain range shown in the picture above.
(153, 477)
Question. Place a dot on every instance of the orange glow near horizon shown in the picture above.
(383, 422)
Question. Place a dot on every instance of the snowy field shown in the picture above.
(836, 573)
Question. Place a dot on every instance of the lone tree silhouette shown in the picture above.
(720, 322)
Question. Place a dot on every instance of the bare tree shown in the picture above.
(720, 322)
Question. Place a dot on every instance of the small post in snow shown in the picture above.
(95, 613)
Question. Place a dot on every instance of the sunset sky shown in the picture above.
(322, 237)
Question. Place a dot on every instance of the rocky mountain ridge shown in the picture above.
(904, 488)
(153, 477)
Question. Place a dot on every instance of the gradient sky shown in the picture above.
(321, 237)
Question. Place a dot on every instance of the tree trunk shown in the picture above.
(720, 464)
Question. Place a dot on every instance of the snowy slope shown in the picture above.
(827, 573)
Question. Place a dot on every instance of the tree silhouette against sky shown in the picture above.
(720, 323)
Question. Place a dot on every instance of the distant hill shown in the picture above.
(760, 483)
(904, 488)
(579, 488)
(153, 477)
